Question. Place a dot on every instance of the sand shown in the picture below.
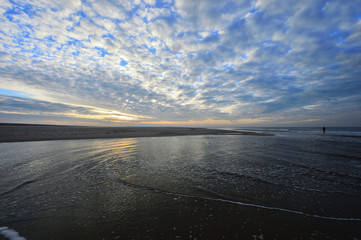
(27, 132)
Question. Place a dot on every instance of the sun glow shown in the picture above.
(204, 122)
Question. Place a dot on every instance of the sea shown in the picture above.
(296, 183)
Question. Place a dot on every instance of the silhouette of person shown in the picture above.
(324, 130)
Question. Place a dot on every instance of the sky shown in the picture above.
(181, 62)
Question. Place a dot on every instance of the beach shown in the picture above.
(297, 184)
(28, 132)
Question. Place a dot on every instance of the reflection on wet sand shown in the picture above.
(175, 187)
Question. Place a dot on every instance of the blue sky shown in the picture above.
(181, 62)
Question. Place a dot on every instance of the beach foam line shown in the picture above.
(282, 210)
(239, 203)
(10, 234)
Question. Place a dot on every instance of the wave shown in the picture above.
(267, 182)
(215, 172)
(18, 187)
(324, 175)
(235, 202)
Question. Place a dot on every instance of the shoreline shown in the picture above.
(31, 132)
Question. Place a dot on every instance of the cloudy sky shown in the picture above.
(181, 62)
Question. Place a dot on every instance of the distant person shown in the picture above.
(324, 130)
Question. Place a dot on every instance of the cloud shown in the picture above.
(27, 106)
(185, 60)
(149, 2)
(211, 14)
(109, 9)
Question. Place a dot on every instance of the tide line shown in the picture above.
(240, 203)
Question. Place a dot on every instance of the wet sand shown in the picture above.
(28, 132)
(291, 186)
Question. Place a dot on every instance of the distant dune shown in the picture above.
(32, 132)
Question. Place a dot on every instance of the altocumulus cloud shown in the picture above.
(25, 106)
(181, 61)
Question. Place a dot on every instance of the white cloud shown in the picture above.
(149, 2)
(108, 9)
(161, 29)
(4, 5)
(211, 15)
(126, 4)
(191, 60)
(153, 13)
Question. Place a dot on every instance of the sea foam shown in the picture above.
(10, 234)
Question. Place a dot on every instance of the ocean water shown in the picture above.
(297, 184)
